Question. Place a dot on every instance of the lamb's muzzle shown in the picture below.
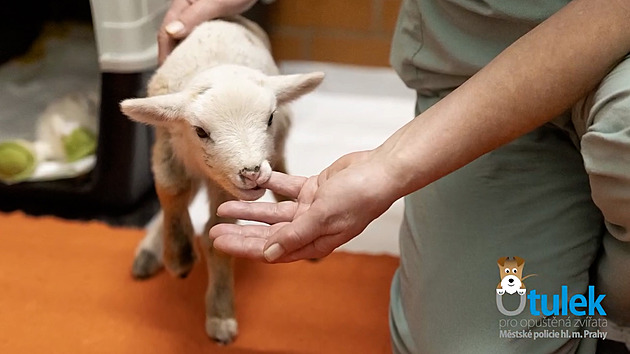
(256, 175)
(250, 173)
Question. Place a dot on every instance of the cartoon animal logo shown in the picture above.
(511, 272)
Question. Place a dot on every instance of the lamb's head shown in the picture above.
(222, 123)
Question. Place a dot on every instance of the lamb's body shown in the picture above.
(217, 104)
(236, 41)
(212, 44)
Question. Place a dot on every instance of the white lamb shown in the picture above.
(218, 105)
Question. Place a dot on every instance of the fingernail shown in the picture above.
(273, 252)
(174, 27)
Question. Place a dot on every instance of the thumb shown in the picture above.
(294, 235)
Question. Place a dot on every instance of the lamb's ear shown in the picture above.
(155, 110)
(289, 87)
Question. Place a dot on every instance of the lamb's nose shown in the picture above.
(511, 280)
(250, 173)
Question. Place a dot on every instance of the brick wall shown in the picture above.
(343, 31)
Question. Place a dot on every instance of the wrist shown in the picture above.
(390, 175)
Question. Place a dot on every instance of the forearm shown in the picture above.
(537, 78)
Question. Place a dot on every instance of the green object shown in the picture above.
(79, 144)
(17, 161)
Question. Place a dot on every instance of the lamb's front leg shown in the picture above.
(220, 317)
(179, 253)
(174, 189)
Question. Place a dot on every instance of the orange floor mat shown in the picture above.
(65, 287)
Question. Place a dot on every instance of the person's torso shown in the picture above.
(439, 44)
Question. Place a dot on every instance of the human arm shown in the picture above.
(537, 78)
(183, 15)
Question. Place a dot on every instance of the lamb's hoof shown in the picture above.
(500, 291)
(180, 270)
(182, 265)
(222, 330)
(520, 291)
(145, 265)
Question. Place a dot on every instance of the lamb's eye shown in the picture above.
(514, 270)
(201, 133)
(507, 270)
(270, 120)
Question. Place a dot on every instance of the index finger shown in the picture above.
(284, 184)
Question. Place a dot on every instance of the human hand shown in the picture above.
(330, 209)
(184, 15)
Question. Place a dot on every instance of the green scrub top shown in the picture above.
(438, 44)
